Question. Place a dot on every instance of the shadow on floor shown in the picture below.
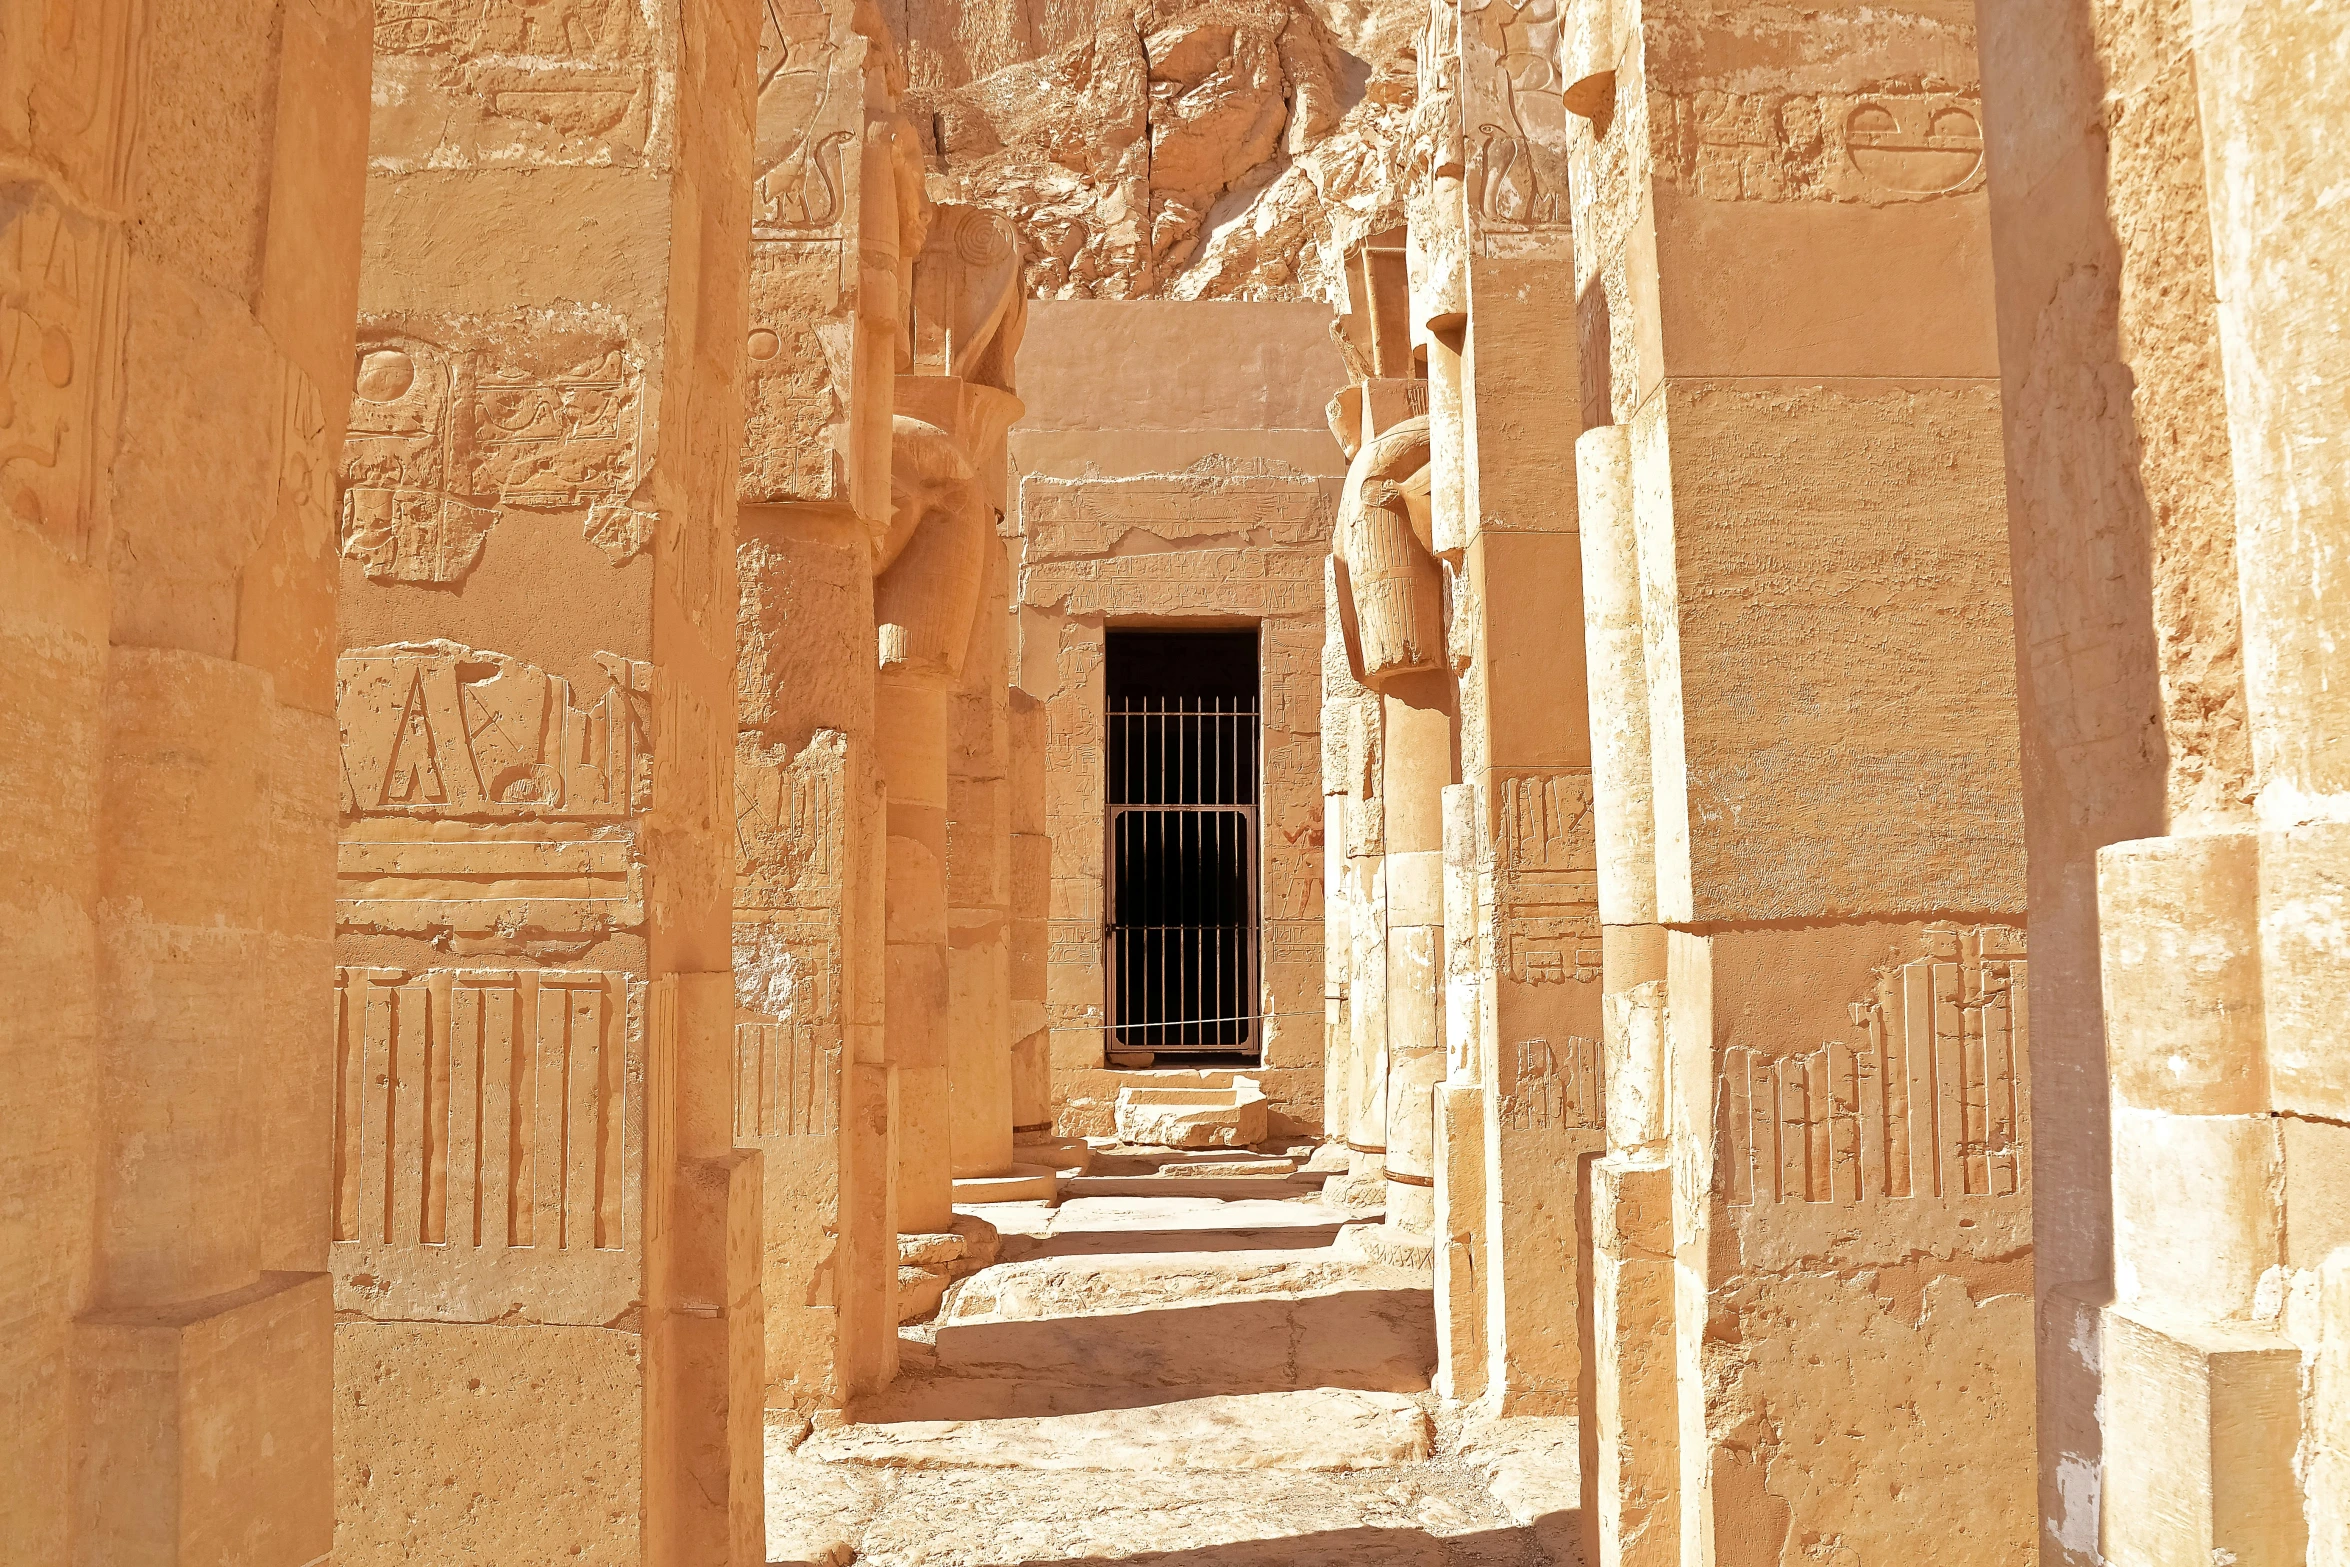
(1381, 1341)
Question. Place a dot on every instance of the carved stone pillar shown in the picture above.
(948, 476)
(178, 259)
(539, 1201)
(1839, 1086)
(837, 218)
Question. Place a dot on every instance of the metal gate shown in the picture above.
(1180, 938)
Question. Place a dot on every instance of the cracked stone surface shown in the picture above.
(1160, 1376)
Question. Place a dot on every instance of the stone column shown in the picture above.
(979, 834)
(1631, 1490)
(947, 476)
(1795, 335)
(1391, 623)
(1526, 750)
(1033, 1134)
(912, 718)
(1417, 716)
(980, 1065)
(833, 238)
(178, 262)
(538, 1200)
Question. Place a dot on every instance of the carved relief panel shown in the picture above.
(1545, 878)
(1548, 1084)
(68, 75)
(60, 334)
(489, 1129)
(1513, 116)
(1926, 1099)
(1875, 147)
(538, 81)
(481, 795)
(529, 412)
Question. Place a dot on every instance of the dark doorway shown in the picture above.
(1181, 934)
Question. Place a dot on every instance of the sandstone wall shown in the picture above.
(1174, 469)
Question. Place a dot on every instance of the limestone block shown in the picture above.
(205, 1428)
(1633, 1339)
(2328, 1472)
(1776, 618)
(1233, 1117)
(1461, 1255)
(2201, 1424)
(528, 1206)
(2271, 230)
(919, 1292)
(443, 1441)
(1862, 1209)
(2304, 952)
(2195, 1224)
(2180, 955)
(1311, 1428)
(1618, 678)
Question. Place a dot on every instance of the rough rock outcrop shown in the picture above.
(1187, 149)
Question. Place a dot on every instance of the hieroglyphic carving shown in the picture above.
(1545, 878)
(438, 729)
(1917, 146)
(790, 825)
(1072, 518)
(564, 79)
(1552, 1084)
(1870, 147)
(305, 464)
(401, 520)
(1930, 1102)
(442, 435)
(787, 1069)
(1513, 115)
(797, 189)
(60, 288)
(488, 1109)
(68, 76)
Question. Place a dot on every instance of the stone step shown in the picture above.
(1313, 1428)
(1020, 1183)
(1381, 1340)
(1232, 1117)
(1221, 1169)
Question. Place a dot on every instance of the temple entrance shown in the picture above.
(1180, 931)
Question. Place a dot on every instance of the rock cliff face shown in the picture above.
(1182, 149)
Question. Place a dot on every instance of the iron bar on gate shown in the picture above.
(1181, 937)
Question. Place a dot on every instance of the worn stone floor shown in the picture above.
(1185, 1362)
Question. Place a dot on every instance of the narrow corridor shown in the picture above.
(1189, 1360)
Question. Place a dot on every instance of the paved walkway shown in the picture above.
(1175, 1366)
